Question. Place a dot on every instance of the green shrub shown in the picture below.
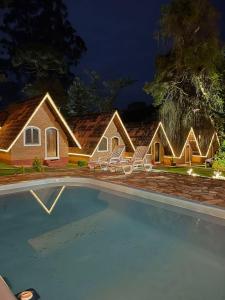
(82, 163)
(37, 165)
(222, 147)
(21, 170)
(219, 162)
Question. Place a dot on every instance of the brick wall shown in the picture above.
(5, 157)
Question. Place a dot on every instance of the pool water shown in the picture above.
(97, 245)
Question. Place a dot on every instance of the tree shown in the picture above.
(39, 43)
(5, 3)
(188, 84)
(94, 94)
(80, 98)
(52, 85)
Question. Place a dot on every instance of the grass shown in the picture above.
(6, 169)
(202, 171)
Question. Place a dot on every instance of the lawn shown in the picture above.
(202, 171)
(6, 169)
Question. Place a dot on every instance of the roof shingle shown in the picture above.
(14, 118)
(89, 128)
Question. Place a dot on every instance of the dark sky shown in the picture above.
(119, 38)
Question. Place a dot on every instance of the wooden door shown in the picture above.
(52, 143)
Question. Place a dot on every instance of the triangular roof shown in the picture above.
(143, 134)
(205, 139)
(161, 127)
(16, 117)
(214, 139)
(192, 140)
(91, 128)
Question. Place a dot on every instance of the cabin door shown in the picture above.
(187, 154)
(52, 143)
(157, 152)
(115, 142)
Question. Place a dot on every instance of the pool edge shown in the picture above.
(137, 192)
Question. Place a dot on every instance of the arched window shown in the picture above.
(103, 146)
(32, 136)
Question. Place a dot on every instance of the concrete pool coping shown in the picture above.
(175, 201)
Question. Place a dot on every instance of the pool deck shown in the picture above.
(201, 189)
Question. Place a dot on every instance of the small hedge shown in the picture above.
(219, 162)
(219, 165)
(82, 163)
(37, 165)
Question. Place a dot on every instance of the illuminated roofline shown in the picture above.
(46, 97)
(167, 139)
(79, 154)
(210, 145)
(182, 151)
(116, 114)
(63, 120)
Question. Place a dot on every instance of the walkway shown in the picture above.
(201, 189)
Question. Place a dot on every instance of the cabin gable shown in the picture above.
(43, 119)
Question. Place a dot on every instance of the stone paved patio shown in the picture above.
(195, 188)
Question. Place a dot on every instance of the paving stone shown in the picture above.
(194, 188)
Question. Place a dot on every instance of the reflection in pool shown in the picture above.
(95, 244)
(48, 197)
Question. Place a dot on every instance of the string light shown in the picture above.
(190, 172)
(218, 175)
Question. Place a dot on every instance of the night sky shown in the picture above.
(119, 38)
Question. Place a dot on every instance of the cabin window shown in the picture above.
(115, 142)
(103, 146)
(32, 136)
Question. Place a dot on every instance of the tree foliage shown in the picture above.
(188, 83)
(219, 162)
(94, 94)
(38, 42)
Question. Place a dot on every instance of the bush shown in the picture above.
(21, 170)
(37, 165)
(82, 163)
(219, 165)
(222, 147)
(219, 162)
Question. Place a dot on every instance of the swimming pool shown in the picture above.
(98, 244)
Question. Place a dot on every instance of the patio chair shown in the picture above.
(104, 160)
(95, 163)
(5, 292)
(115, 157)
(138, 161)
